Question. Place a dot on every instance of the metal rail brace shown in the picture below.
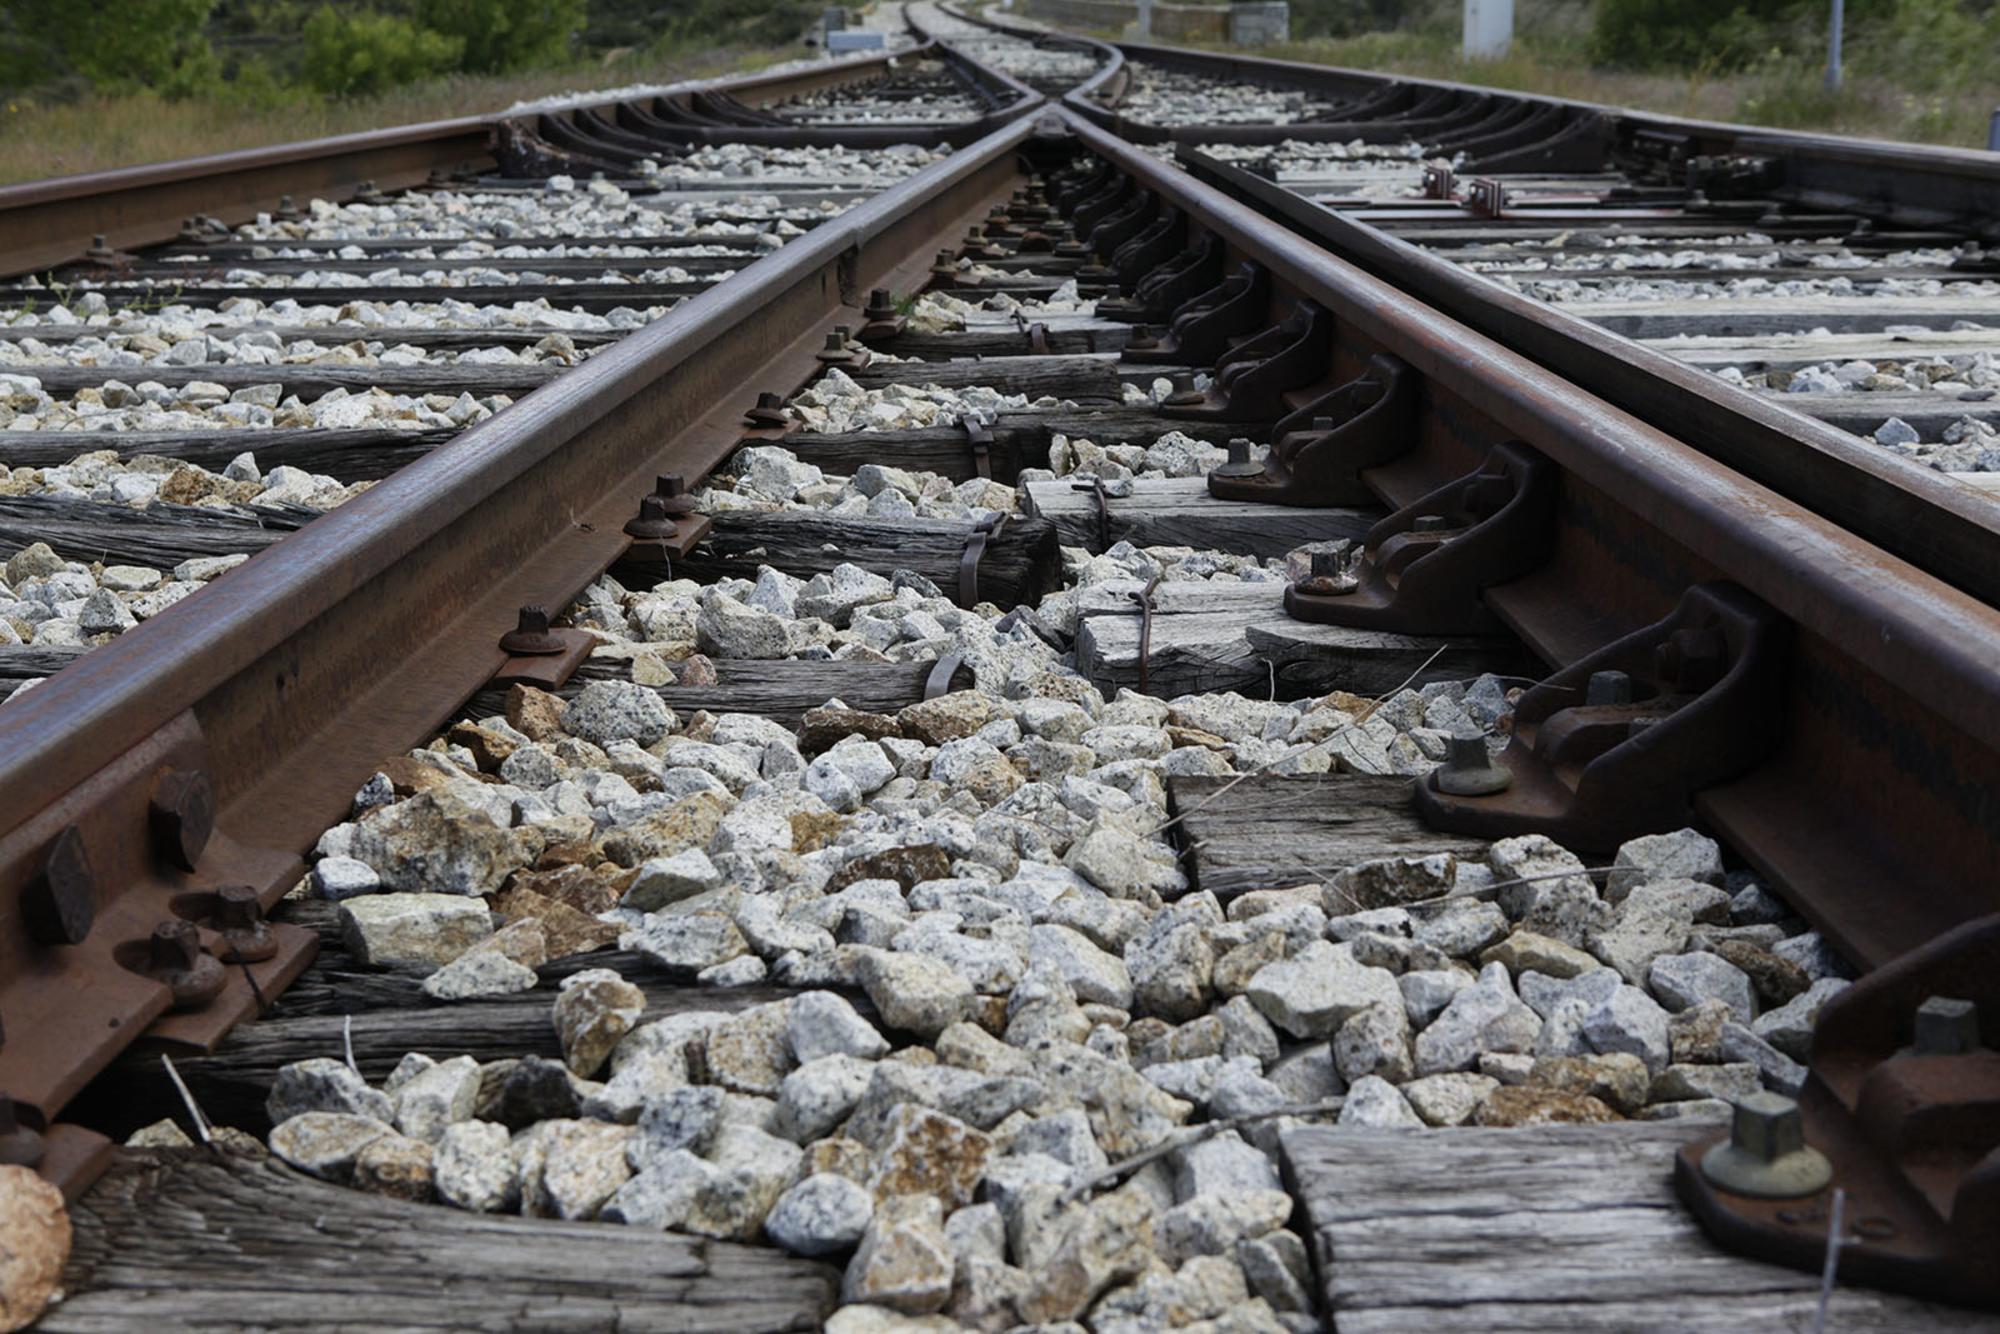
(1900, 1110)
(1253, 377)
(1616, 744)
(1202, 330)
(1163, 289)
(1320, 451)
(1423, 568)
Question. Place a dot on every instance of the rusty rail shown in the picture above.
(211, 746)
(1911, 511)
(47, 223)
(1874, 813)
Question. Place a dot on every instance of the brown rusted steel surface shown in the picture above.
(1910, 185)
(1876, 816)
(1903, 1098)
(44, 223)
(286, 683)
(1914, 512)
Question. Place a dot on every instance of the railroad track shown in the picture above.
(839, 659)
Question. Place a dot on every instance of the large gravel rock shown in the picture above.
(413, 928)
(823, 1214)
(1313, 993)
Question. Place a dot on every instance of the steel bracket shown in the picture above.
(1164, 288)
(1425, 566)
(1903, 1098)
(1321, 450)
(1114, 231)
(1616, 744)
(1251, 381)
(1203, 327)
(1088, 212)
(1163, 238)
(84, 885)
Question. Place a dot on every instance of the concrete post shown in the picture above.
(1833, 33)
(1489, 28)
(1143, 25)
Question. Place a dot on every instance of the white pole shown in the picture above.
(1489, 28)
(1833, 47)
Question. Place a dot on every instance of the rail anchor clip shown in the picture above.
(1900, 1111)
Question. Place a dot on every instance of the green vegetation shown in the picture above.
(350, 54)
(91, 84)
(53, 51)
(1926, 70)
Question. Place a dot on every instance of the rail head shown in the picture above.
(1888, 708)
(283, 684)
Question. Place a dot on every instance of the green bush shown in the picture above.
(500, 35)
(354, 54)
(157, 44)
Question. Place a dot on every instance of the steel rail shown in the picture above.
(49, 222)
(1908, 185)
(285, 683)
(1877, 817)
(1917, 513)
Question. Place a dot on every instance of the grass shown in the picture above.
(95, 133)
(1785, 90)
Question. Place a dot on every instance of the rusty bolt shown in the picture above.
(246, 936)
(59, 905)
(19, 1146)
(653, 522)
(176, 960)
(1947, 1026)
(770, 410)
(1608, 688)
(182, 816)
(531, 636)
(1240, 463)
(1766, 1155)
(1469, 770)
(287, 210)
(1327, 564)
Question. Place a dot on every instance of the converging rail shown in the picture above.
(1022, 590)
